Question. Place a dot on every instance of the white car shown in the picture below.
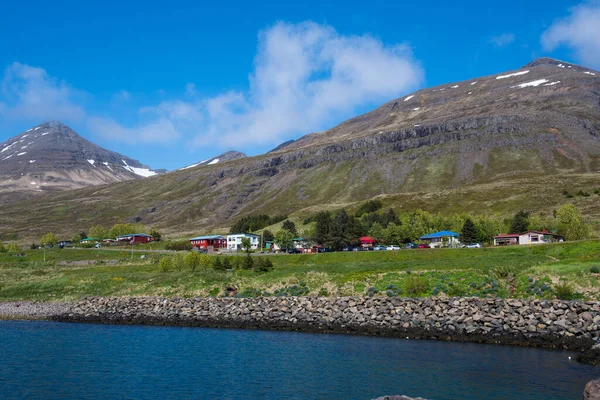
(393, 247)
(473, 246)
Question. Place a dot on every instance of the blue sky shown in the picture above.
(173, 83)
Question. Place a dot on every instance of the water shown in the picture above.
(56, 360)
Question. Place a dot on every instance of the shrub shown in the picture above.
(415, 285)
(226, 263)
(503, 272)
(33, 246)
(564, 291)
(178, 261)
(392, 291)
(2, 248)
(165, 264)
(263, 264)
(594, 269)
(218, 265)
(323, 292)
(247, 262)
(294, 290)
(13, 248)
(180, 245)
(371, 291)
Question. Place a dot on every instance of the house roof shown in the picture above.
(208, 237)
(542, 233)
(298, 239)
(133, 235)
(367, 239)
(242, 234)
(506, 235)
(440, 234)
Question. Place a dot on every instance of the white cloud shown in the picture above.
(30, 93)
(306, 77)
(157, 131)
(503, 40)
(580, 32)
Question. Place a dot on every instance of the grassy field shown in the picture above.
(542, 271)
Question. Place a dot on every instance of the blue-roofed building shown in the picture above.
(442, 239)
(216, 242)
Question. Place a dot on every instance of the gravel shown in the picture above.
(31, 310)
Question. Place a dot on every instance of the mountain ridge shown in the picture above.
(500, 143)
(51, 157)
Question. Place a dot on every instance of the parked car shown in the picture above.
(412, 246)
(98, 245)
(294, 251)
(324, 250)
(393, 247)
(473, 246)
(423, 246)
(358, 249)
(379, 247)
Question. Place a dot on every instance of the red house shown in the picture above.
(204, 242)
(367, 241)
(135, 238)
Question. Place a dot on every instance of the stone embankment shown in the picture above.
(31, 310)
(553, 323)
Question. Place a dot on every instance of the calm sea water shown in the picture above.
(50, 360)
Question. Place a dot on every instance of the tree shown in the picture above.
(290, 226)
(268, 236)
(98, 232)
(78, 237)
(368, 207)
(246, 244)
(49, 239)
(339, 230)
(322, 233)
(155, 234)
(468, 234)
(284, 239)
(391, 234)
(520, 222)
(571, 224)
(376, 231)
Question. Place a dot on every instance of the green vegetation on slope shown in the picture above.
(518, 271)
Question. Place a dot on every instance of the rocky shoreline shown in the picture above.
(32, 310)
(539, 323)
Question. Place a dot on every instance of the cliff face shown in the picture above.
(539, 124)
(51, 157)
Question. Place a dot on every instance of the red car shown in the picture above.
(424, 246)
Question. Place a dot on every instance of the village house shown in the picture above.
(529, 237)
(209, 242)
(135, 238)
(442, 239)
(367, 241)
(234, 241)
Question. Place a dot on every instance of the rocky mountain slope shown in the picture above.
(501, 143)
(51, 157)
(221, 158)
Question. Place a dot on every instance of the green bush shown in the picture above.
(263, 264)
(13, 248)
(247, 262)
(165, 264)
(226, 263)
(179, 246)
(2, 248)
(178, 261)
(564, 291)
(594, 269)
(218, 265)
(416, 285)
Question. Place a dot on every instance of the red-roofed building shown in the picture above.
(367, 241)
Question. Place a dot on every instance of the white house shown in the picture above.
(529, 237)
(234, 241)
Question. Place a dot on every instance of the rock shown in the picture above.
(592, 390)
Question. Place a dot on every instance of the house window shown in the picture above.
(535, 239)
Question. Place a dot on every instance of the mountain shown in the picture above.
(228, 156)
(501, 143)
(52, 157)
